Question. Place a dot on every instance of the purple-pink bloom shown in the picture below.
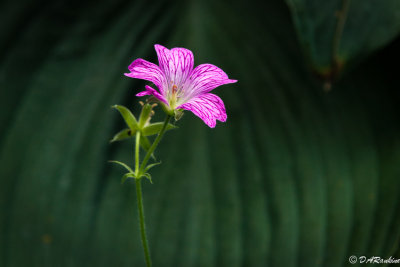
(180, 86)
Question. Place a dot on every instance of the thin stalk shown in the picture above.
(154, 145)
(140, 203)
(138, 172)
(137, 149)
(142, 224)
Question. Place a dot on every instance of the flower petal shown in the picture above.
(205, 78)
(176, 63)
(153, 92)
(142, 69)
(208, 107)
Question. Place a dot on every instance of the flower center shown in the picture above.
(174, 95)
(174, 89)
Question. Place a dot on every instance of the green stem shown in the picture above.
(137, 148)
(154, 145)
(142, 224)
(140, 203)
(138, 172)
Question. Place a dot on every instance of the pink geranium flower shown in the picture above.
(182, 87)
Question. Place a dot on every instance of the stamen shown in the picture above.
(173, 95)
(174, 89)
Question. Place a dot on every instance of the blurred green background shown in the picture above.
(305, 172)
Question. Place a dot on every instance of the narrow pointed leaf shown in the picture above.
(152, 165)
(129, 118)
(126, 176)
(124, 134)
(123, 165)
(148, 176)
(155, 128)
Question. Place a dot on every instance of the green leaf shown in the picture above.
(148, 167)
(123, 165)
(335, 32)
(155, 128)
(126, 176)
(145, 115)
(129, 118)
(294, 177)
(148, 176)
(122, 135)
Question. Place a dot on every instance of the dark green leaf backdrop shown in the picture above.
(298, 176)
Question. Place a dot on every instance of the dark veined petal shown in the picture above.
(142, 69)
(153, 92)
(176, 64)
(208, 107)
(205, 78)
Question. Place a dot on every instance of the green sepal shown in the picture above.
(124, 134)
(148, 176)
(145, 115)
(155, 128)
(126, 176)
(148, 167)
(122, 164)
(178, 114)
(167, 109)
(145, 143)
(129, 118)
